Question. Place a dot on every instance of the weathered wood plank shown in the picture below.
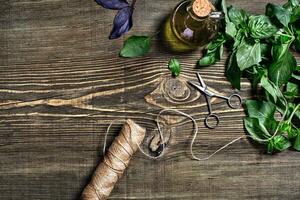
(62, 83)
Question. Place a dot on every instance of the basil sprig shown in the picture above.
(175, 67)
(259, 49)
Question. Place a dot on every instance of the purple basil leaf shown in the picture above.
(122, 22)
(113, 4)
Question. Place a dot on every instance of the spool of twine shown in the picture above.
(115, 162)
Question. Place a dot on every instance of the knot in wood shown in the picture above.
(176, 89)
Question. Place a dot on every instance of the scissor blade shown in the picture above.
(197, 85)
(201, 80)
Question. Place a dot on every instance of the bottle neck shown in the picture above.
(200, 9)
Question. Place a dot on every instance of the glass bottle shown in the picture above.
(192, 24)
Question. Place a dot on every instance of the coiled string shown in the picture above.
(195, 133)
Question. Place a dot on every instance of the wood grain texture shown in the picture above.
(62, 83)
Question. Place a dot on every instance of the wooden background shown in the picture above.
(62, 83)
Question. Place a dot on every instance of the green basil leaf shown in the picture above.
(214, 51)
(136, 46)
(174, 67)
(271, 88)
(290, 110)
(293, 133)
(294, 2)
(281, 70)
(239, 37)
(285, 127)
(291, 4)
(253, 127)
(279, 50)
(216, 43)
(261, 110)
(281, 143)
(261, 27)
(281, 14)
(256, 75)
(248, 55)
(238, 17)
(264, 112)
(297, 141)
(282, 37)
(233, 72)
(208, 59)
(230, 29)
(292, 90)
(224, 9)
(221, 51)
(295, 15)
(281, 106)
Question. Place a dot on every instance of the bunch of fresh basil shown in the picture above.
(260, 50)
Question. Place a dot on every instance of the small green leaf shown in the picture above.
(292, 90)
(214, 51)
(296, 15)
(256, 75)
(292, 87)
(239, 37)
(283, 37)
(136, 46)
(294, 2)
(208, 59)
(281, 70)
(174, 67)
(281, 143)
(261, 27)
(285, 127)
(224, 9)
(216, 43)
(230, 29)
(238, 16)
(293, 133)
(233, 72)
(248, 55)
(281, 14)
(291, 4)
(297, 140)
(271, 88)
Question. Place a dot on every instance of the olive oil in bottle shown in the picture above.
(192, 24)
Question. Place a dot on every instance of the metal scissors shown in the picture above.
(208, 95)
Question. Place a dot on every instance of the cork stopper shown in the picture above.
(202, 8)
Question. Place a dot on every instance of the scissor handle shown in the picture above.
(231, 103)
(209, 118)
